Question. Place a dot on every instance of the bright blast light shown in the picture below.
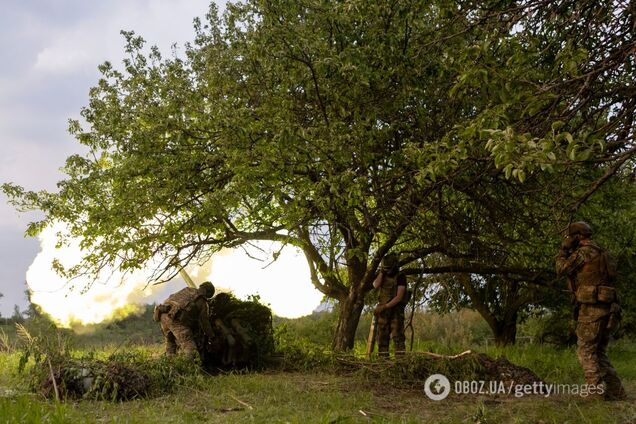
(284, 284)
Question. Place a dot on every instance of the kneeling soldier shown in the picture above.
(182, 316)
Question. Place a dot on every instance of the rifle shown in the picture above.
(373, 331)
(572, 285)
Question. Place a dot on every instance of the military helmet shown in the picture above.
(580, 227)
(390, 261)
(206, 289)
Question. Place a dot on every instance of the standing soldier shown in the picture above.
(591, 278)
(391, 302)
(182, 316)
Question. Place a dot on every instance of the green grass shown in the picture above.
(310, 398)
(317, 393)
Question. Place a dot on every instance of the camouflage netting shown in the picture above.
(244, 334)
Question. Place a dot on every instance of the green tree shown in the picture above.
(560, 97)
(17, 316)
(504, 299)
(336, 127)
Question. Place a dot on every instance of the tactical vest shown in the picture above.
(388, 290)
(595, 285)
(182, 304)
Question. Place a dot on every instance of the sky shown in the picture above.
(49, 53)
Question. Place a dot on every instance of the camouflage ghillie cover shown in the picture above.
(244, 334)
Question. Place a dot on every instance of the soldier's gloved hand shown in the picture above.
(231, 341)
(575, 312)
(379, 309)
(567, 243)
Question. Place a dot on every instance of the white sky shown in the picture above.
(49, 53)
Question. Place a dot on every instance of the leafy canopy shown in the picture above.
(349, 129)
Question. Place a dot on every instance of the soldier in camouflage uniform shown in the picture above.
(591, 277)
(182, 316)
(391, 302)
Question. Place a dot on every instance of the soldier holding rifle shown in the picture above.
(591, 277)
(392, 299)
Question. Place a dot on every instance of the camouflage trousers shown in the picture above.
(391, 327)
(592, 341)
(178, 336)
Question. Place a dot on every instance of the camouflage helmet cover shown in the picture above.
(580, 227)
(390, 261)
(207, 289)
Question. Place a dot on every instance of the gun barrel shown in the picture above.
(186, 278)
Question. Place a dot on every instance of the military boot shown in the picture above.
(615, 392)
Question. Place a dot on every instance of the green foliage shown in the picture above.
(541, 358)
(351, 129)
(118, 376)
(5, 342)
(317, 328)
(611, 214)
(25, 409)
(464, 328)
(298, 354)
(553, 326)
(44, 347)
(48, 356)
(255, 320)
(134, 329)
(179, 392)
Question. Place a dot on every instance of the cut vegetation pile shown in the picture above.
(104, 380)
(126, 377)
(122, 376)
(414, 368)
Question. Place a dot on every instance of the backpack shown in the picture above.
(408, 293)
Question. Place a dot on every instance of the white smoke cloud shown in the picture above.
(70, 301)
(284, 284)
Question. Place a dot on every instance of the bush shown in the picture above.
(317, 328)
(299, 354)
(462, 328)
(249, 323)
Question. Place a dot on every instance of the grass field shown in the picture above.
(327, 397)
(321, 394)
(309, 398)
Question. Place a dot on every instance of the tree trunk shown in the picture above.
(504, 323)
(349, 311)
(505, 331)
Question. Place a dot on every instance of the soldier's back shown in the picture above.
(183, 296)
(183, 304)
